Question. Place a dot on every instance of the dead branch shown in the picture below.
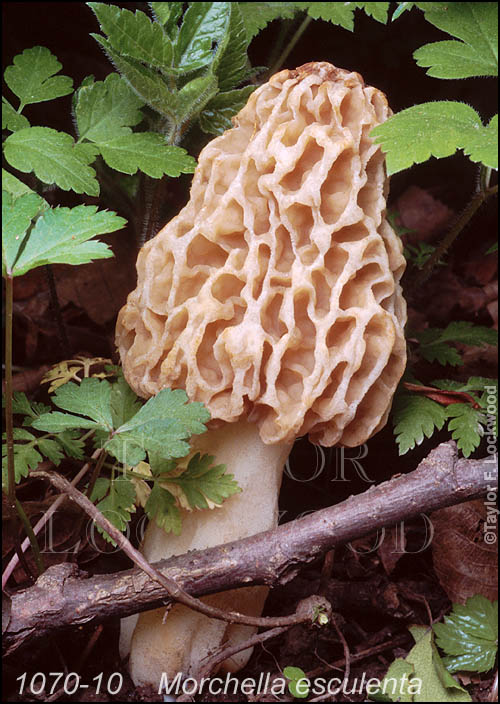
(64, 597)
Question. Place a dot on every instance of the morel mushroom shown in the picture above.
(273, 298)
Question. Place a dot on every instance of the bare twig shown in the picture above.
(62, 598)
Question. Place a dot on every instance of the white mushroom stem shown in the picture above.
(179, 642)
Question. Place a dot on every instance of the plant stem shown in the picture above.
(56, 311)
(96, 472)
(32, 538)
(474, 204)
(9, 421)
(289, 48)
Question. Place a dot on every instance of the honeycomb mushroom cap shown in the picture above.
(274, 294)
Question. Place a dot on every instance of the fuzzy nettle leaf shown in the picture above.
(436, 129)
(475, 24)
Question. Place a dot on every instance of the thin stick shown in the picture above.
(171, 587)
(11, 566)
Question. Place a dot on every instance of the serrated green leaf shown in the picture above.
(482, 146)
(162, 425)
(469, 635)
(231, 64)
(167, 14)
(145, 81)
(17, 214)
(123, 402)
(202, 482)
(216, 116)
(396, 682)
(476, 24)
(26, 456)
(442, 353)
(378, 10)
(118, 505)
(163, 510)
(15, 187)
(338, 13)
(415, 417)
(149, 153)
(62, 236)
(32, 410)
(204, 24)
(432, 129)
(51, 449)
(256, 15)
(31, 77)
(12, 120)
(423, 657)
(89, 398)
(107, 109)
(134, 34)
(466, 426)
(461, 331)
(451, 59)
(71, 443)
(193, 97)
(54, 158)
(56, 422)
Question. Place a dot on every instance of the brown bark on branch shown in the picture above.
(62, 597)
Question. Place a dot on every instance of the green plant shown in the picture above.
(468, 636)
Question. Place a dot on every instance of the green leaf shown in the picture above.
(415, 417)
(51, 449)
(63, 236)
(145, 81)
(378, 10)
(450, 59)
(167, 14)
(232, 64)
(338, 13)
(134, 34)
(482, 146)
(12, 120)
(163, 510)
(162, 425)
(193, 97)
(442, 353)
(256, 15)
(202, 483)
(17, 214)
(149, 153)
(71, 443)
(106, 109)
(54, 158)
(476, 24)
(396, 682)
(26, 457)
(299, 684)
(216, 116)
(91, 398)
(204, 24)
(466, 425)
(123, 402)
(30, 409)
(462, 331)
(469, 635)
(117, 504)
(32, 79)
(433, 129)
